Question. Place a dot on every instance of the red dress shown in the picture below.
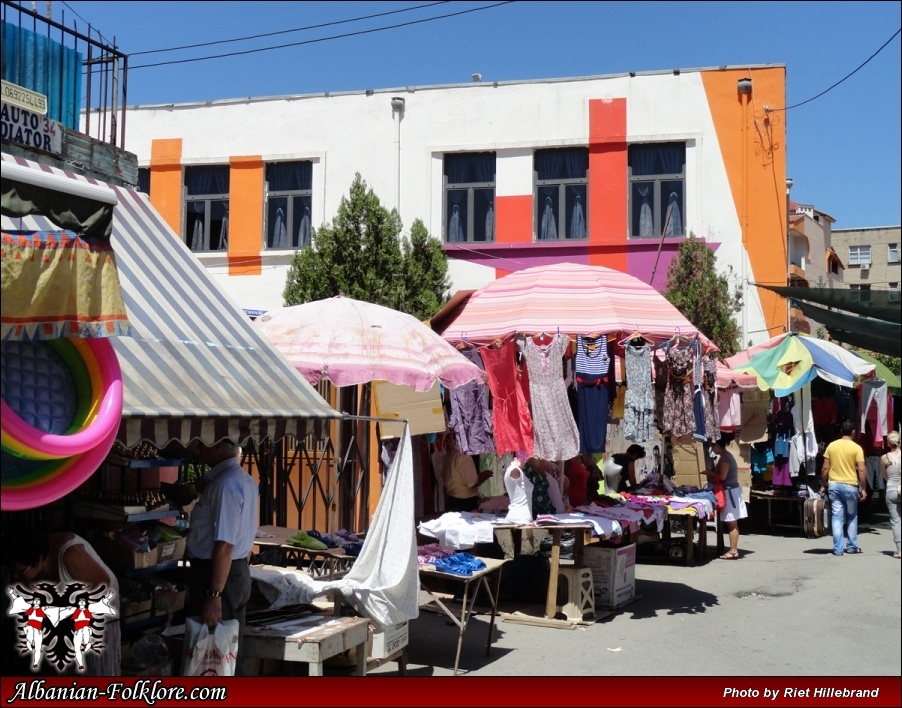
(510, 414)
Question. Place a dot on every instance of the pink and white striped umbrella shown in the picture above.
(350, 342)
(570, 298)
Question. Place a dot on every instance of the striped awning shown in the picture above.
(194, 366)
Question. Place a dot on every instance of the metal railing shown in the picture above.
(104, 70)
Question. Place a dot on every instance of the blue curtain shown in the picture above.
(36, 62)
(289, 176)
(562, 164)
(202, 181)
(470, 167)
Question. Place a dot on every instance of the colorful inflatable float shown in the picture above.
(61, 410)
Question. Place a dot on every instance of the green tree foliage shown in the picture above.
(703, 295)
(363, 256)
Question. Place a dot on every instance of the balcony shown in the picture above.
(73, 86)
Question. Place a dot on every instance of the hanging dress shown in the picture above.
(660, 392)
(679, 418)
(556, 434)
(710, 400)
(577, 221)
(639, 402)
(455, 227)
(593, 371)
(470, 418)
(548, 229)
(511, 422)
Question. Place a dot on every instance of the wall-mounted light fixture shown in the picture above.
(744, 85)
(476, 78)
(397, 104)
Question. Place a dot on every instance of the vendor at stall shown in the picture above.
(462, 482)
(620, 469)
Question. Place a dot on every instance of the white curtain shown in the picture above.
(197, 238)
(280, 232)
(384, 583)
(304, 230)
(455, 227)
(675, 226)
(577, 221)
(490, 223)
(548, 229)
(646, 220)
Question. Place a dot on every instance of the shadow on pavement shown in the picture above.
(657, 596)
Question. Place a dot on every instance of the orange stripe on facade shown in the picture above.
(752, 143)
(608, 182)
(246, 178)
(513, 219)
(166, 180)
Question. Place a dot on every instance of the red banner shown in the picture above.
(519, 692)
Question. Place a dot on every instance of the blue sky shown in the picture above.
(843, 149)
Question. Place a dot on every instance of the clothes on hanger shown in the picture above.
(471, 419)
(512, 423)
(555, 433)
(594, 378)
(679, 419)
(639, 402)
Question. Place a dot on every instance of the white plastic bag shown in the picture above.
(210, 653)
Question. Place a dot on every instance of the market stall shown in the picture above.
(194, 367)
(806, 388)
(584, 363)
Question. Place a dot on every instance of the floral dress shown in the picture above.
(679, 417)
(554, 428)
(639, 402)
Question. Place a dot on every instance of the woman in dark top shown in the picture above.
(620, 470)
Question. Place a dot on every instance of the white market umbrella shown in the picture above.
(348, 341)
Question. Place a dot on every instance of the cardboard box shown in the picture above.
(115, 553)
(135, 611)
(388, 641)
(169, 602)
(613, 573)
(168, 551)
(688, 462)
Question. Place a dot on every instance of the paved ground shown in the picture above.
(787, 607)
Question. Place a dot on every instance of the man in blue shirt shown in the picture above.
(221, 536)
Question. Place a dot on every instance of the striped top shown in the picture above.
(592, 355)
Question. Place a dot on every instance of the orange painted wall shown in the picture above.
(246, 180)
(513, 222)
(166, 180)
(608, 182)
(753, 145)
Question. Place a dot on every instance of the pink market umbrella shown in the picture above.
(570, 298)
(350, 342)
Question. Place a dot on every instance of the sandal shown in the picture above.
(730, 555)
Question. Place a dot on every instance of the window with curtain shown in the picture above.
(657, 203)
(144, 180)
(289, 205)
(859, 255)
(469, 185)
(207, 208)
(561, 194)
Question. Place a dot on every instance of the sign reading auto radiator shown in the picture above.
(19, 125)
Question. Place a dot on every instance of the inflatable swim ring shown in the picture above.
(104, 410)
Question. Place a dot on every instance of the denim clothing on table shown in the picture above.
(844, 508)
(470, 419)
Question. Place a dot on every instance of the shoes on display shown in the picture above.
(303, 540)
(323, 538)
(347, 536)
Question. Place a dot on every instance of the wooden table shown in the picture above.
(310, 639)
(798, 501)
(428, 574)
(555, 530)
(329, 563)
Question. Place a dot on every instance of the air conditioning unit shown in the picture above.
(865, 267)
